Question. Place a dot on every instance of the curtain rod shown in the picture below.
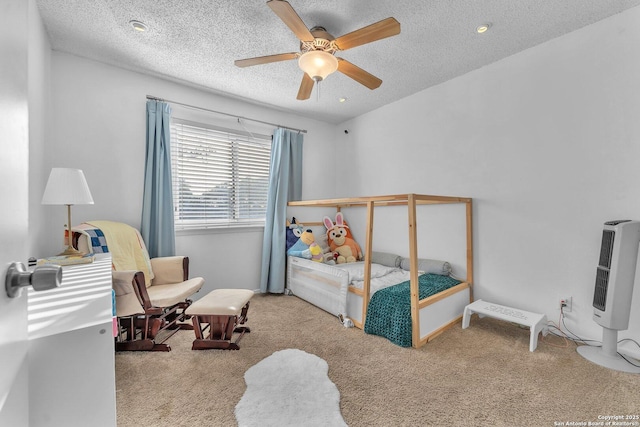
(155, 98)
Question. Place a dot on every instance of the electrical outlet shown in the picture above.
(566, 303)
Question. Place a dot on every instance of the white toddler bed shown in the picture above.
(338, 289)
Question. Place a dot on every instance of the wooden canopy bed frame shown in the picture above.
(445, 308)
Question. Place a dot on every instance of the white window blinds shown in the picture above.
(220, 177)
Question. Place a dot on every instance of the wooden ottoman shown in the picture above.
(221, 310)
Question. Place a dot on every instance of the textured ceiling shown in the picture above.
(197, 41)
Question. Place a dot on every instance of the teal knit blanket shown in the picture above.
(389, 310)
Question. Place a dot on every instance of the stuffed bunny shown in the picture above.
(341, 242)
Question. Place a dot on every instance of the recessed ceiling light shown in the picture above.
(482, 28)
(343, 99)
(138, 25)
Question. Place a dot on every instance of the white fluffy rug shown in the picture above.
(289, 388)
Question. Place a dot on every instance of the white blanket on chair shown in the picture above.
(128, 251)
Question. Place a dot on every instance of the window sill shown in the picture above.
(220, 230)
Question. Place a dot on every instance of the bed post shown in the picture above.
(469, 205)
(413, 256)
(366, 287)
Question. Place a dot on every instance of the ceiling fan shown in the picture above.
(317, 49)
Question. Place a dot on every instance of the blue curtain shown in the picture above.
(157, 204)
(285, 184)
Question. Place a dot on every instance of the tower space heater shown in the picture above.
(615, 277)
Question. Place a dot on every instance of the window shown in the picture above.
(220, 176)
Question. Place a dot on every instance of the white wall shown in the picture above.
(98, 125)
(39, 66)
(547, 143)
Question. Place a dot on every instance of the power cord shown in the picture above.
(623, 356)
(565, 335)
(576, 339)
(560, 333)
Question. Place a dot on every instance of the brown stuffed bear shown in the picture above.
(341, 241)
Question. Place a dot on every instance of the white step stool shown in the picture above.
(536, 322)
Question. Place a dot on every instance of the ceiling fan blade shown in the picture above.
(289, 16)
(380, 30)
(358, 74)
(305, 87)
(265, 59)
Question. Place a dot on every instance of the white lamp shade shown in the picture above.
(318, 64)
(67, 187)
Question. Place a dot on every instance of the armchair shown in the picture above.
(151, 294)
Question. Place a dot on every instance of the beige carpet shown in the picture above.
(480, 376)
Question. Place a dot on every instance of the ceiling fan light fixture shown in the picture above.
(318, 64)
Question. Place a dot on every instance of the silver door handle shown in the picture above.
(42, 278)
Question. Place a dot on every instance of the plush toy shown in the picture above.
(294, 231)
(327, 254)
(316, 252)
(300, 250)
(344, 247)
(306, 247)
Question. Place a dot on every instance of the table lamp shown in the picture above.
(67, 187)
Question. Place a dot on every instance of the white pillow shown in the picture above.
(356, 270)
(442, 268)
